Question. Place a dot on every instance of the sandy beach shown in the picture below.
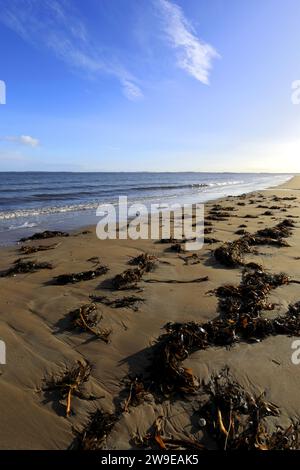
(40, 345)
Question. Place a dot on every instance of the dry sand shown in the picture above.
(33, 326)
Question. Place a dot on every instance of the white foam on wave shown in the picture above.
(25, 225)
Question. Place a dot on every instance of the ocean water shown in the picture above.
(31, 202)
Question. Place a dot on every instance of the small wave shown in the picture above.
(225, 183)
(46, 210)
(25, 225)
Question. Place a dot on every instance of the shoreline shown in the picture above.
(40, 344)
(85, 214)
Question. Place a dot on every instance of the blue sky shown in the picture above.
(155, 85)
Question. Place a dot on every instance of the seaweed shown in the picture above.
(22, 266)
(178, 281)
(71, 383)
(268, 213)
(235, 419)
(285, 198)
(210, 240)
(155, 439)
(86, 319)
(123, 302)
(194, 258)
(240, 320)
(217, 216)
(128, 279)
(281, 230)
(94, 435)
(45, 234)
(72, 278)
(167, 240)
(177, 247)
(250, 297)
(28, 250)
(136, 392)
(145, 261)
(231, 254)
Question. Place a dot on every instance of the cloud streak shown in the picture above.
(22, 139)
(57, 26)
(193, 55)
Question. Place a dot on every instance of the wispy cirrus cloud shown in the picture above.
(59, 27)
(27, 140)
(193, 55)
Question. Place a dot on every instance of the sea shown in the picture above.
(37, 201)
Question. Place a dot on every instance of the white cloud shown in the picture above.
(194, 56)
(22, 139)
(131, 90)
(65, 34)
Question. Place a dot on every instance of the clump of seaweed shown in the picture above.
(194, 258)
(86, 318)
(240, 320)
(71, 383)
(236, 419)
(94, 435)
(167, 240)
(231, 253)
(130, 301)
(128, 279)
(284, 198)
(155, 439)
(250, 216)
(211, 240)
(268, 213)
(172, 348)
(45, 234)
(281, 230)
(218, 216)
(72, 278)
(136, 392)
(145, 261)
(177, 247)
(28, 250)
(250, 296)
(22, 266)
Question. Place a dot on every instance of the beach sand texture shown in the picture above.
(34, 324)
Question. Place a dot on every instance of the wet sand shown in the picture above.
(34, 326)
